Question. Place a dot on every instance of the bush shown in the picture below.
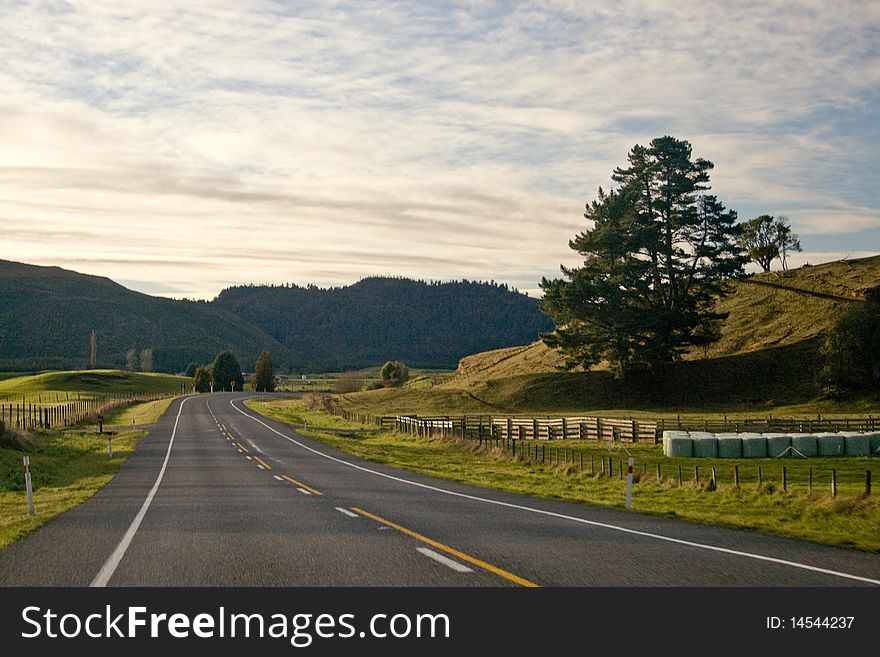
(852, 352)
(375, 385)
(394, 373)
(347, 382)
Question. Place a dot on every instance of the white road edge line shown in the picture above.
(439, 558)
(112, 562)
(278, 478)
(303, 491)
(594, 523)
(350, 514)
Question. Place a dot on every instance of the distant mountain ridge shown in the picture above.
(48, 313)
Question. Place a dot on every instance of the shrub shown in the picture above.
(394, 373)
(347, 382)
(852, 352)
(375, 385)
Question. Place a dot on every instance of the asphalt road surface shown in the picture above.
(221, 496)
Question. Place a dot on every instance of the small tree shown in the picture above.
(394, 373)
(226, 372)
(760, 240)
(132, 362)
(786, 240)
(146, 359)
(191, 369)
(263, 379)
(202, 379)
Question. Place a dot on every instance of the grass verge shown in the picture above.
(67, 468)
(851, 519)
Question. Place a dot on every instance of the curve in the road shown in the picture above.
(659, 537)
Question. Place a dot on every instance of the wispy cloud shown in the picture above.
(211, 143)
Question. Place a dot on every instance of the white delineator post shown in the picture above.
(629, 482)
(110, 446)
(28, 486)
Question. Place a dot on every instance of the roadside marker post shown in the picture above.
(100, 424)
(629, 482)
(28, 486)
(109, 446)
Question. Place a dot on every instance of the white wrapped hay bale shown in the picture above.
(681, 446)
(672, 434)
(705, 445)
(830, 444)
(729, 446)
(856, 444)
(754, 445)
(777, 444)
(805, 443)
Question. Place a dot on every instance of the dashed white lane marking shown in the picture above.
(553, 514)
(350, 514)
(260, 467)
(112, 562)
(439, 558)
(303, 491)
(278, 478)
(248, 458)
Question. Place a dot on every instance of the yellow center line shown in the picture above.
(243, 447)
(262, 462)
(440, 546)
(301, 485)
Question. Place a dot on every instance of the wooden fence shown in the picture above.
(29, 416)
(486, 427)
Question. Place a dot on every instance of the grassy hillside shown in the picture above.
(765, 361)
(775, 309)
(47, 385)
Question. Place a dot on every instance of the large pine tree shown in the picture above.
(656, 258)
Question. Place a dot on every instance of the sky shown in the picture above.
(183, 147)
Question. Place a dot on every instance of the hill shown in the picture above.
(47, 315)
(428, 325)
(43, 386)
(767, 310)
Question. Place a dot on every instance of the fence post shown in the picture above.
(833, 483)
(784, 478)
(28, 485)
(736, 476)
(629, 482)
(867, 482)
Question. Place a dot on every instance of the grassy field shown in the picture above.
(67, 467)
(59, 387)
(851, 519)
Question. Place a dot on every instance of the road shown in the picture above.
(221, 496)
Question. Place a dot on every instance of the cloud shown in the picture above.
(463, 139)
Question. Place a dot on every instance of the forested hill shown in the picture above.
(376, 319)
(48, 313)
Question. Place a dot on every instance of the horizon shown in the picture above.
(181, 151)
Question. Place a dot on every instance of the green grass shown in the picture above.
(60, 386)
(850, 520)
(67, 468)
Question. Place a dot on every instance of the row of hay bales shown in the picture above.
(701, 444)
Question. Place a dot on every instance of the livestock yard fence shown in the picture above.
(527, 439)
(66, 412)
(633, 430)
